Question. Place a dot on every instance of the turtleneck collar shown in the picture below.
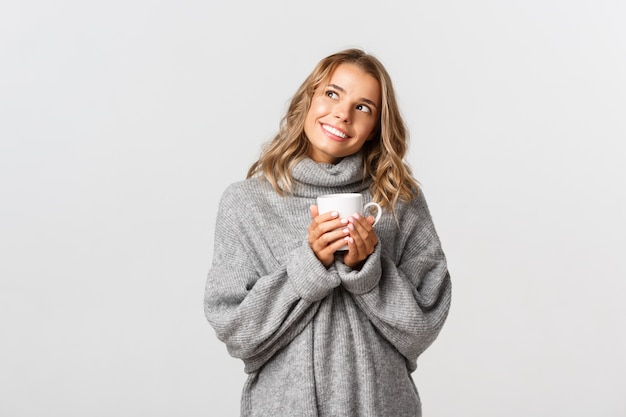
(315, 178)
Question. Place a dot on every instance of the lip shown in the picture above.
(333, 136)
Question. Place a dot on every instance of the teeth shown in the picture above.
(334, 131)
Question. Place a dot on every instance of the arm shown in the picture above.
(257, 313)
(406, 300)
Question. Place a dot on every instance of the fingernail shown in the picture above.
(344, 221)
(356, 216)
(346, 230)
(351, 227)
(334, 214)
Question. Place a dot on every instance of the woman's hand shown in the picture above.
(361, 241)
(328, 233)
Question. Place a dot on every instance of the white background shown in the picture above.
(121, 122)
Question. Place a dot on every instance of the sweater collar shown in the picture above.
(315, 178)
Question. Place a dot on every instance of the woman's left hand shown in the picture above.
(361, 241)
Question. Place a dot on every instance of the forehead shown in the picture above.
(355, 82)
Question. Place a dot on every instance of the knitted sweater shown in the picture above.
(315, 341)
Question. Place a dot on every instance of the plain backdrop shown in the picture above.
(121, 123)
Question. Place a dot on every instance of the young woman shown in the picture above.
(324, 332)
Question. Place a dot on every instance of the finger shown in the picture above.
(357, 238)
(327, 244)
(365, 222)
(333, 236)
(364, 236)
(322, 223)
(353, 257)
(360, 244)
(326, 229)
(361, 229)
(324, 217)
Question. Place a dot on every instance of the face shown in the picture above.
(343, 115)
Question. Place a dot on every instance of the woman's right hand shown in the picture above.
(326, 235)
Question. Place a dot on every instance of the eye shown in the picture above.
(332, 94)
(363, 108)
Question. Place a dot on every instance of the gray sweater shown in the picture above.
(324, 342)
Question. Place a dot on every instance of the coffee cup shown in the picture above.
(346, 204)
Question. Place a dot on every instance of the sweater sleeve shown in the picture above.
(256, 313)
(408, 300)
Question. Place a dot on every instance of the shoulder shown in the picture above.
(415, 215)
(245, 192)
(415, 208)
(245, 188)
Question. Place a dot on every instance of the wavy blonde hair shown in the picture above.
(383, 161)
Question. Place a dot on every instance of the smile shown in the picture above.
(334, 131)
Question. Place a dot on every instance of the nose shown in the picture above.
(342, 112)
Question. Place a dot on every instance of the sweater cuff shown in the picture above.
(365, 279)
(308, 276)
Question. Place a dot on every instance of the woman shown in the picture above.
(324, 332)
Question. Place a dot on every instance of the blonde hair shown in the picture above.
(383, 156)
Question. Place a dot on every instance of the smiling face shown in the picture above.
(343, 114)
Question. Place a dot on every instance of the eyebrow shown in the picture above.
(366, 100)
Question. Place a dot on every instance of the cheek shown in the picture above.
(309, 121)
(369, 130)
(316, 110)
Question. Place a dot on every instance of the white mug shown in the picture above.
(346, 204)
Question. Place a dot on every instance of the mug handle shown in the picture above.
(379, 211)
